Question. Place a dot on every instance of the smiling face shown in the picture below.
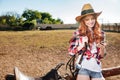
(89, 21)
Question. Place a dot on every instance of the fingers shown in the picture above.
(100, 45)
(104, 43)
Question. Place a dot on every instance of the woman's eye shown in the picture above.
(86, 19)
(92, 18)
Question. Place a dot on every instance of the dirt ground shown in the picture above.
(43, 60)
(38, 61)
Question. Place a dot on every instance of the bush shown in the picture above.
(28, 26)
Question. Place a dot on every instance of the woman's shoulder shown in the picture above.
(102, 32)
(76, 33)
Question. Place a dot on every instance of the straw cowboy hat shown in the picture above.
(87, 10)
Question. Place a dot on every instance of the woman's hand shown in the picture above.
(82, 42)
(102, 48)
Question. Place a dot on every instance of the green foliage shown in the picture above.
(10, 18)
(28, 26)
(31, 18)
(31, 15)
(3, 21)
(34, 22)
(41, 17)
(45, 15)
(58, 21)
(46, 21)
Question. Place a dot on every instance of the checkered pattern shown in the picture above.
(76, 45)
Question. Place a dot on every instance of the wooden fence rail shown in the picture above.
(111, 27)
(107, 72)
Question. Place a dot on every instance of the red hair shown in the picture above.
(84, 31)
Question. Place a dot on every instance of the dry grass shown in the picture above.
(36, 52)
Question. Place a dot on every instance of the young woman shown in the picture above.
(89, 31)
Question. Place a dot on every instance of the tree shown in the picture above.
(30, 15)
(15, 21)
(2, 20)
(11, 18)
(59, 21)
(45, 15)
(46, 21)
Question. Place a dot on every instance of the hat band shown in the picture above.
(87, 11)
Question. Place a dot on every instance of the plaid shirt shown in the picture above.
(77, 44)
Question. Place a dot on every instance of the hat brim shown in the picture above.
(78, 18)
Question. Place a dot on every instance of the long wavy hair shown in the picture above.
(84, 31)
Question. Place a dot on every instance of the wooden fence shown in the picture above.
(114, 27)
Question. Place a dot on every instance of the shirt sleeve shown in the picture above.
(103, 41)
(73, 43)
(73, 46)
(77, 43)
(103, 35)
